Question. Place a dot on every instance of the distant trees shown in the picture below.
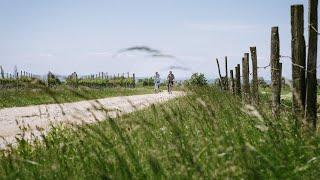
(197, 79)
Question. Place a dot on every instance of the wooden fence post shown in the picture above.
(77, 80)
(275, 71)
(48, 79)
(226, 77)
(280, 79)
(298, 61)
(134, 80)
(238, 80)
(245, 79)
(232, 84)
(220, 77)
(2, 72)
(255, 84)
(311, 94)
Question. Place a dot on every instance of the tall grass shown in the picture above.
(207, 134)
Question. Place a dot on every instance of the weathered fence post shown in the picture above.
(275, 72)
(245, 79)
(311, 94)
(255, 84)
(220, 77)
(232, 84)
(280, 79)
(2, 72)
(77, 80)
(298, 61)
(134, 80)
(48, 79)
(238, 80)
(226, 77)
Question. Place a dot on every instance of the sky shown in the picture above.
(84, 36)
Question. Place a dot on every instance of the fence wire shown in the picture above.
(294, 64)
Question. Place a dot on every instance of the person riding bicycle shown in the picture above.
(157, 82)
(170, 79)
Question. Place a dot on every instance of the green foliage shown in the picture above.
(60, 94)
(206, 135)
(20, 83)
(197, 80)
(101, 83)
(146, 82)
(262, 83)
(53, 81)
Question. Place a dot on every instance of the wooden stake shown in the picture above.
(245, 79)
(232, 83)
(255, 86)
(134, 80)
(238, 80)
(311, 94)
(275, 71)
(220, 77)
(226, 77)
(298, 61)
(280, 79)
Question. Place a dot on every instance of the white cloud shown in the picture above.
(45, 55)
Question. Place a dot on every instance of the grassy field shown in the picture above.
(207, 135)
(24, 97)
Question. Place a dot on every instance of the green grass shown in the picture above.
(62, 94)
(206, 135)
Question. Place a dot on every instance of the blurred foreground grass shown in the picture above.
(205, 135)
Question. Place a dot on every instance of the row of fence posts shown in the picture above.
(105, 76)
(50, 76)
(304, 73)
(22, 74)
(16, 77)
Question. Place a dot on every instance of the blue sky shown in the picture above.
(64, 36)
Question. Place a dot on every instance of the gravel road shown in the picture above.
(43, 116)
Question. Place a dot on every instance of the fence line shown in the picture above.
(304, 71)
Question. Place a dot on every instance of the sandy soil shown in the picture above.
(42, 116)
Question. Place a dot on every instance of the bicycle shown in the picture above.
(170, 86)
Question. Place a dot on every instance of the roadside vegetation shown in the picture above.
(31, 91)
(207, 134)
(61, 94)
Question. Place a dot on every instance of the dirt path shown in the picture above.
(43, 116)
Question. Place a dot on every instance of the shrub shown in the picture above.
(262, 83)
(146, 82)
(198, 79)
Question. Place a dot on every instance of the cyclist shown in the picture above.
(170, 79)
(156, 82)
